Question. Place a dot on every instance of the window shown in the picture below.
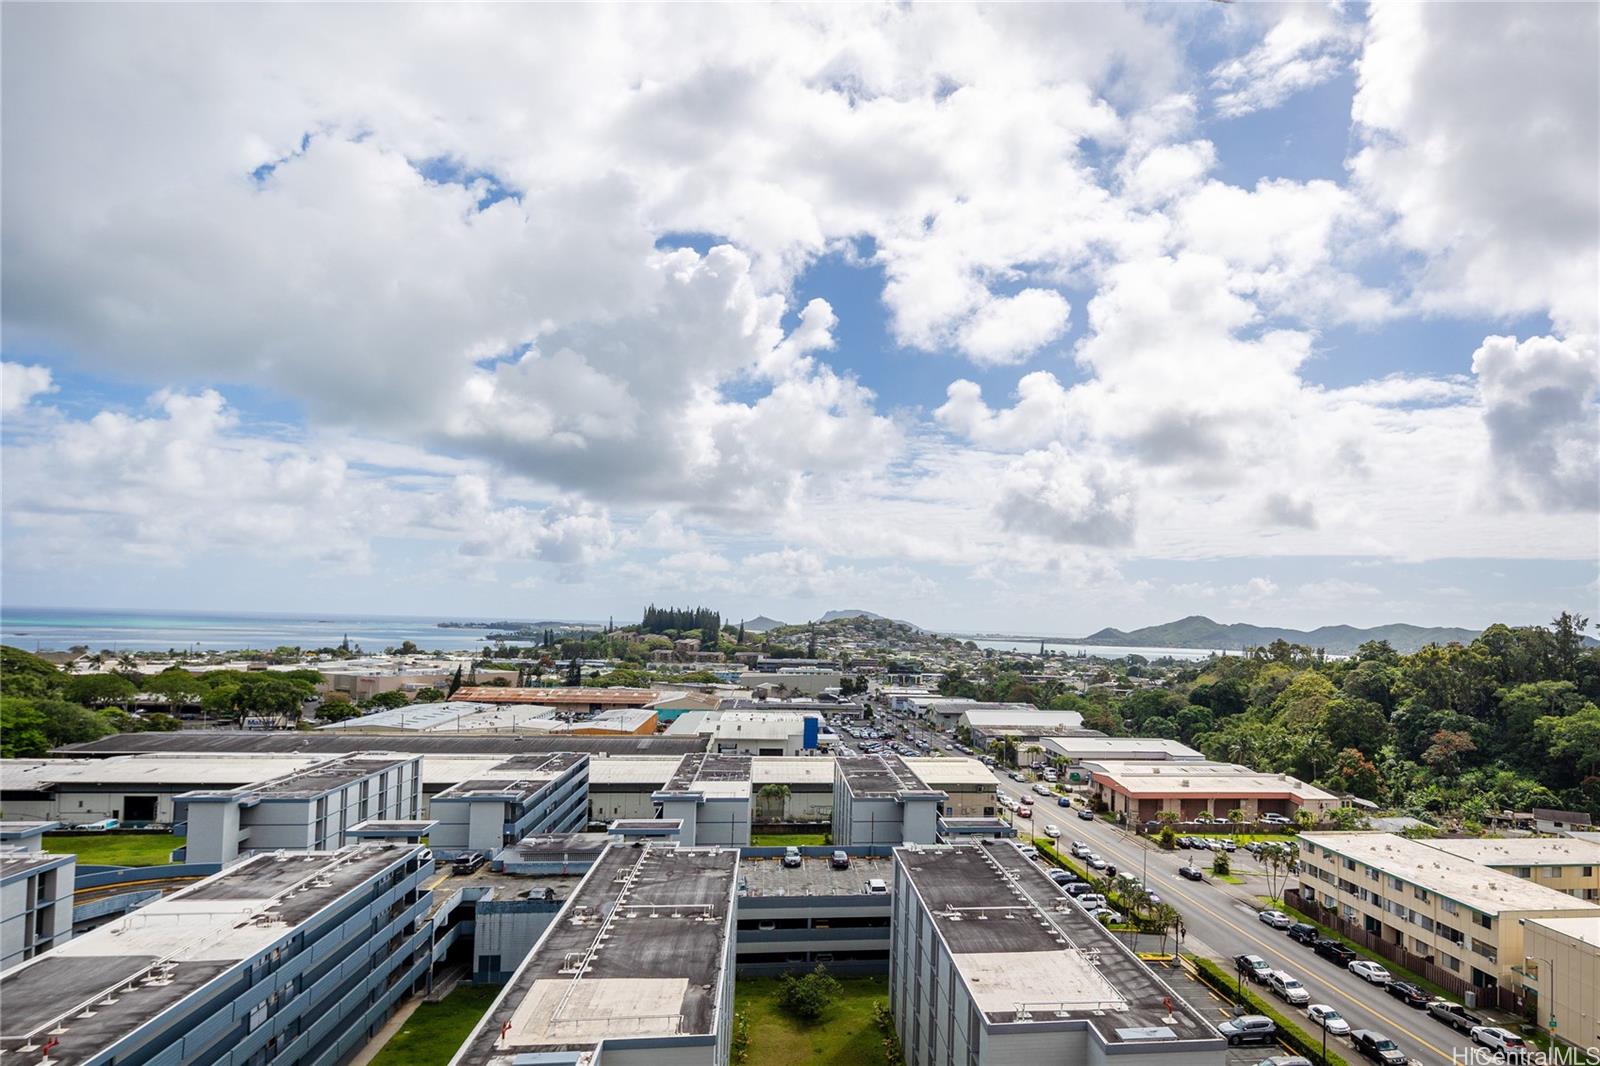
(1448, 906)
(1483, 920)
(1486, 950)
(1523, 871)
(1450, 961)
(1421, 894)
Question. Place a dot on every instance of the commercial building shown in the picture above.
(1562, 863)
(636, 970)
(1561, 976)
(990, 962)
(768, 733)
(1081, 749)
(798, 917)
(566, 699)
(945, 712)
(1464, 918)
(878, 799)
(1023, 726)
(1142, 789)
(452, 716)
(710, 795)
(305, 810)
(286, 742)
(35, 895)
(520, 796)
(277, 959)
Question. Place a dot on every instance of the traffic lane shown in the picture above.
(1228, 923)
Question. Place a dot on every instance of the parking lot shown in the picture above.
(1218, 1009)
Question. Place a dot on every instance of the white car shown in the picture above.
(1370, 971)
(1052, 832)
(1091, 901)
(1096, 862)
(1276, 919)
(1287, 988)
(1330, 1019)
(1498, 1039)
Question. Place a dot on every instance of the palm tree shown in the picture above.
(1236, 816)
(1167, 919)
(773, 794)
(1305, 819)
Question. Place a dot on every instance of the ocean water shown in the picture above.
(56, 629)
(1104, 651)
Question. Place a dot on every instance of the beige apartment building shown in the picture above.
(1465, 918)
(1562, 863)
(1562, 974)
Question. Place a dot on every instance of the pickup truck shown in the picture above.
(1454, 1015)
(1334, 951)
(1378, 1047)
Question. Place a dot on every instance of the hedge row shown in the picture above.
(1101, 884)
(1290, 1033)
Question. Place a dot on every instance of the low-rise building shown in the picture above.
(452, 716)
(710, 795)
(1081, 749)
(990, 962)
(771, 733)
(304, 810)
(572, 698)
(1464, 918)
(35, 901)
(637, 969)
(1142, 789)
(277, 959)
(878, 799)
(1561, 977)
(523, 795)
(1562, 863)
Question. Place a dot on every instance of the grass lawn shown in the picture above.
(1232, 879)
(785, 840)
(435, 1030)
(115, 849)
(846, 1036)
(1246, 838)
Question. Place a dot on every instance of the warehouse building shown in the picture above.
(277, 959)
(710, 795)
(452, 716)
(1140, 790)
(306, 810)
(767, 733)
(878, 799)
(35, 895)
(1465, 918)
(990, 962)
(1562, 863)
(636, 970)
(564, 699)
(520, 796)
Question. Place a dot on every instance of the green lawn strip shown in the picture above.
(1101, 885)
(115, 849)
(1232, 879)
(1400, 972)
(435, 1031)
(1246, 838)
(1289, 1032)
(847, 1035)
(787, 840)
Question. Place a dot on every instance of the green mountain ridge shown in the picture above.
(1198, 631)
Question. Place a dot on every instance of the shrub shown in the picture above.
(1219, 865)
(1167, 838)
(1297, 1039)
(807, 997)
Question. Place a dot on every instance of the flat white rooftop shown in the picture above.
(1523, 851)
(1141, 748)
(1484, 890)
(1197, 779)
(1585, 929)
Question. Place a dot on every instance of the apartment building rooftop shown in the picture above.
(711, 775)
(1486, 891)
(1523, 851)
(1584, 928)
(14, 862)
(638, 952)
(1027, 953)
(881, 777)
(132, 969)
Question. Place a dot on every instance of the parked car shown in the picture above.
(1304, 933)
(1330, 1019)
(1334, 951)
(1063, 877)
(1028, 851)
(468, 863)
(840, 861)
(1377, 1047)
(1504, 1041)
(1276, 819)
(1184, 842)
(1370, 972)
(1095, 862)
(1287, 988)
(1106, 915)
(877, 886)
(1254, 967)
(791, 857)
(1276, 919)
(1080, 850)
(1024, 811)
(1286, 1060)
(1408, 993)
(1017, 777)
(1042, 790)
(1077, 888)
(1092, 901)
(1191, 872)
(1064, 801)
(1052, 832)
(1454, 1015)
(1086, 815)
(1249, 1029)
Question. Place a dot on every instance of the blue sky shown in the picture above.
(1057, 319)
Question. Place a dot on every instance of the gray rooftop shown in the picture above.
(880, 777)
(325, 777)
(702, 767)
(321, 743)
(1008, 926)
(637, 952)
(555, 847)
(18, 863)
(194, 934)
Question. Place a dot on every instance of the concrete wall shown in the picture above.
(1567, 985)
(504, 931)
(36, 911)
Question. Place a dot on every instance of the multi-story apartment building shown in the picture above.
(35, 902)
(990, 962)
(878, 799)
(711, 795)
(636, 970)
(1561, 976)
(1463, 917)
(1562, 863)
(500, 805)
(311, 809)
(294, 958)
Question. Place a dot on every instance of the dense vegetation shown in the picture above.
(42, 707)
(683, 621)
(1507, 721)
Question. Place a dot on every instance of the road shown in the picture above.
(1221, 922)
